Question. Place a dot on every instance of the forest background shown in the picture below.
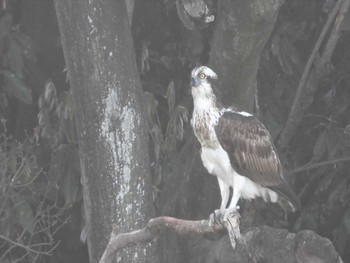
(286, 61)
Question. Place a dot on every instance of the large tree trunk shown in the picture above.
(241, 31)
(110, 123)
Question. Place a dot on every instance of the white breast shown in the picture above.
(217, 162)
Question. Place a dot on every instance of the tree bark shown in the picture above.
(111, 126)
(241, 31)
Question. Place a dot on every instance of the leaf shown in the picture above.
(175, 127)
(15, 58)
(170, 95)
(49, 92)
(58, 166)
(145, 58)
(68, 102)
(26, 45)
(320, 148)
(24, 213)
(279, 48)
(68, 130)
(16, 87)
(283, 47)
(151, 104)
(157, 138)
(158, 174)
(70, 186)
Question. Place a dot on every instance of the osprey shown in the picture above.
(237, 148)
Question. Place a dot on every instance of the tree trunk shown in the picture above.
(241, 31)
(110, 122)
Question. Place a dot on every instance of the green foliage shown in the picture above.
(15, 49)
(15, 86)
(55, 117)
(39, 174)
(39, 189)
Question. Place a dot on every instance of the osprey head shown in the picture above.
(202, 75)
(203, 83)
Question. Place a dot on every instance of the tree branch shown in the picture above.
(157, 225)
(310, 79)
(253, 246)
(311, 166)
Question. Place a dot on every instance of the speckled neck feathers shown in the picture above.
(205, 115)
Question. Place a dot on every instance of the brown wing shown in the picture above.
(252, 153)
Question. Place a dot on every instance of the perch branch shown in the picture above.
(156, 226)
(310, 79)
(255, 244)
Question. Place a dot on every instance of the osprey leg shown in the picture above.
(236, 194)
(225, 193)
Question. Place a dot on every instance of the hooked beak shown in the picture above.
(194, 82)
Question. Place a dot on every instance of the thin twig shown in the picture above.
(28, 248)
(318, 165)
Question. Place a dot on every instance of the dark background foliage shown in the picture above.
(40, 197)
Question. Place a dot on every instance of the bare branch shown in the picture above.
(253, 246)
(157, 225)
(317, 165)
(29, 248)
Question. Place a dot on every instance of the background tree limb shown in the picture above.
(311, 79)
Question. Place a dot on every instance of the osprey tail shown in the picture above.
(287, 199)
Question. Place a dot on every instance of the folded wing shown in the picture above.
(252, 153)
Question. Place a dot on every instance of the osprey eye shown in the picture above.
(201, 75)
